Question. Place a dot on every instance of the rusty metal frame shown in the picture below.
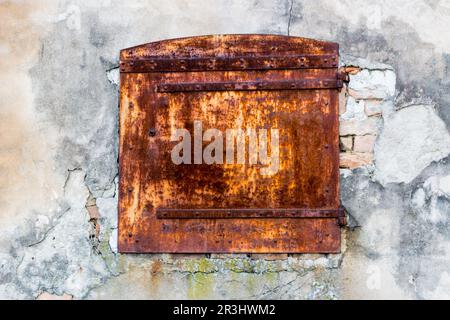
(158, 76)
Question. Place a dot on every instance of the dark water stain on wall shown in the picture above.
(72, 90)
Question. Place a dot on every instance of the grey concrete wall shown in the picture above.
(58, 151)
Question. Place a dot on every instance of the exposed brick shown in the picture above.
(354, 110)
(343, 100)
(94, 214)
(346, 143)
(351, 160)
(364, 143)
(373, 107)
(352, 70)
(91, 201)
(359, 127)
(372, 84)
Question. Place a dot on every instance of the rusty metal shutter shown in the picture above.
(227, 82)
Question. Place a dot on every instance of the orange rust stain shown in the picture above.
(308, 171)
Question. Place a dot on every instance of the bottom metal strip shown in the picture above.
(166, 213)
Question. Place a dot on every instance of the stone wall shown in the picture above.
(58, 151)
(364, 102)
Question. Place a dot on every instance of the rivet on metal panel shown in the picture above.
(152, 132)
(211, 64)
(319, 235)
(302, 62)
(272, 63)
(131, 105)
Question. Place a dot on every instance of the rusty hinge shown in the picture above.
(188, 64)
(343, 76)
(251, 85)
(168, 213)
(342, 216)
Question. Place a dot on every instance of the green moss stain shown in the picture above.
(239, 265)
(201, 286)
(107, 255)
(203, 265)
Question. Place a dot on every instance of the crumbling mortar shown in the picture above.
(369, 69)
(103, 281)
(33, 294)
(290, 18)
(69, 171)
(278, 288)
(219, 266)
(44, 237)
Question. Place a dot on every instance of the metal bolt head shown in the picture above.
(152, 132)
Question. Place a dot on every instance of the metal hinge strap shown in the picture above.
(342, 216)
(168, 213)
(305, 61)
(251, 85)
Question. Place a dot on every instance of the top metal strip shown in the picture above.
(229, 63)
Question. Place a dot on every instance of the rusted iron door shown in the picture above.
(261, 85)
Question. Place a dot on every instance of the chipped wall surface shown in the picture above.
(58, 151)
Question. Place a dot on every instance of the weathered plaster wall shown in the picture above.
(58, 151)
